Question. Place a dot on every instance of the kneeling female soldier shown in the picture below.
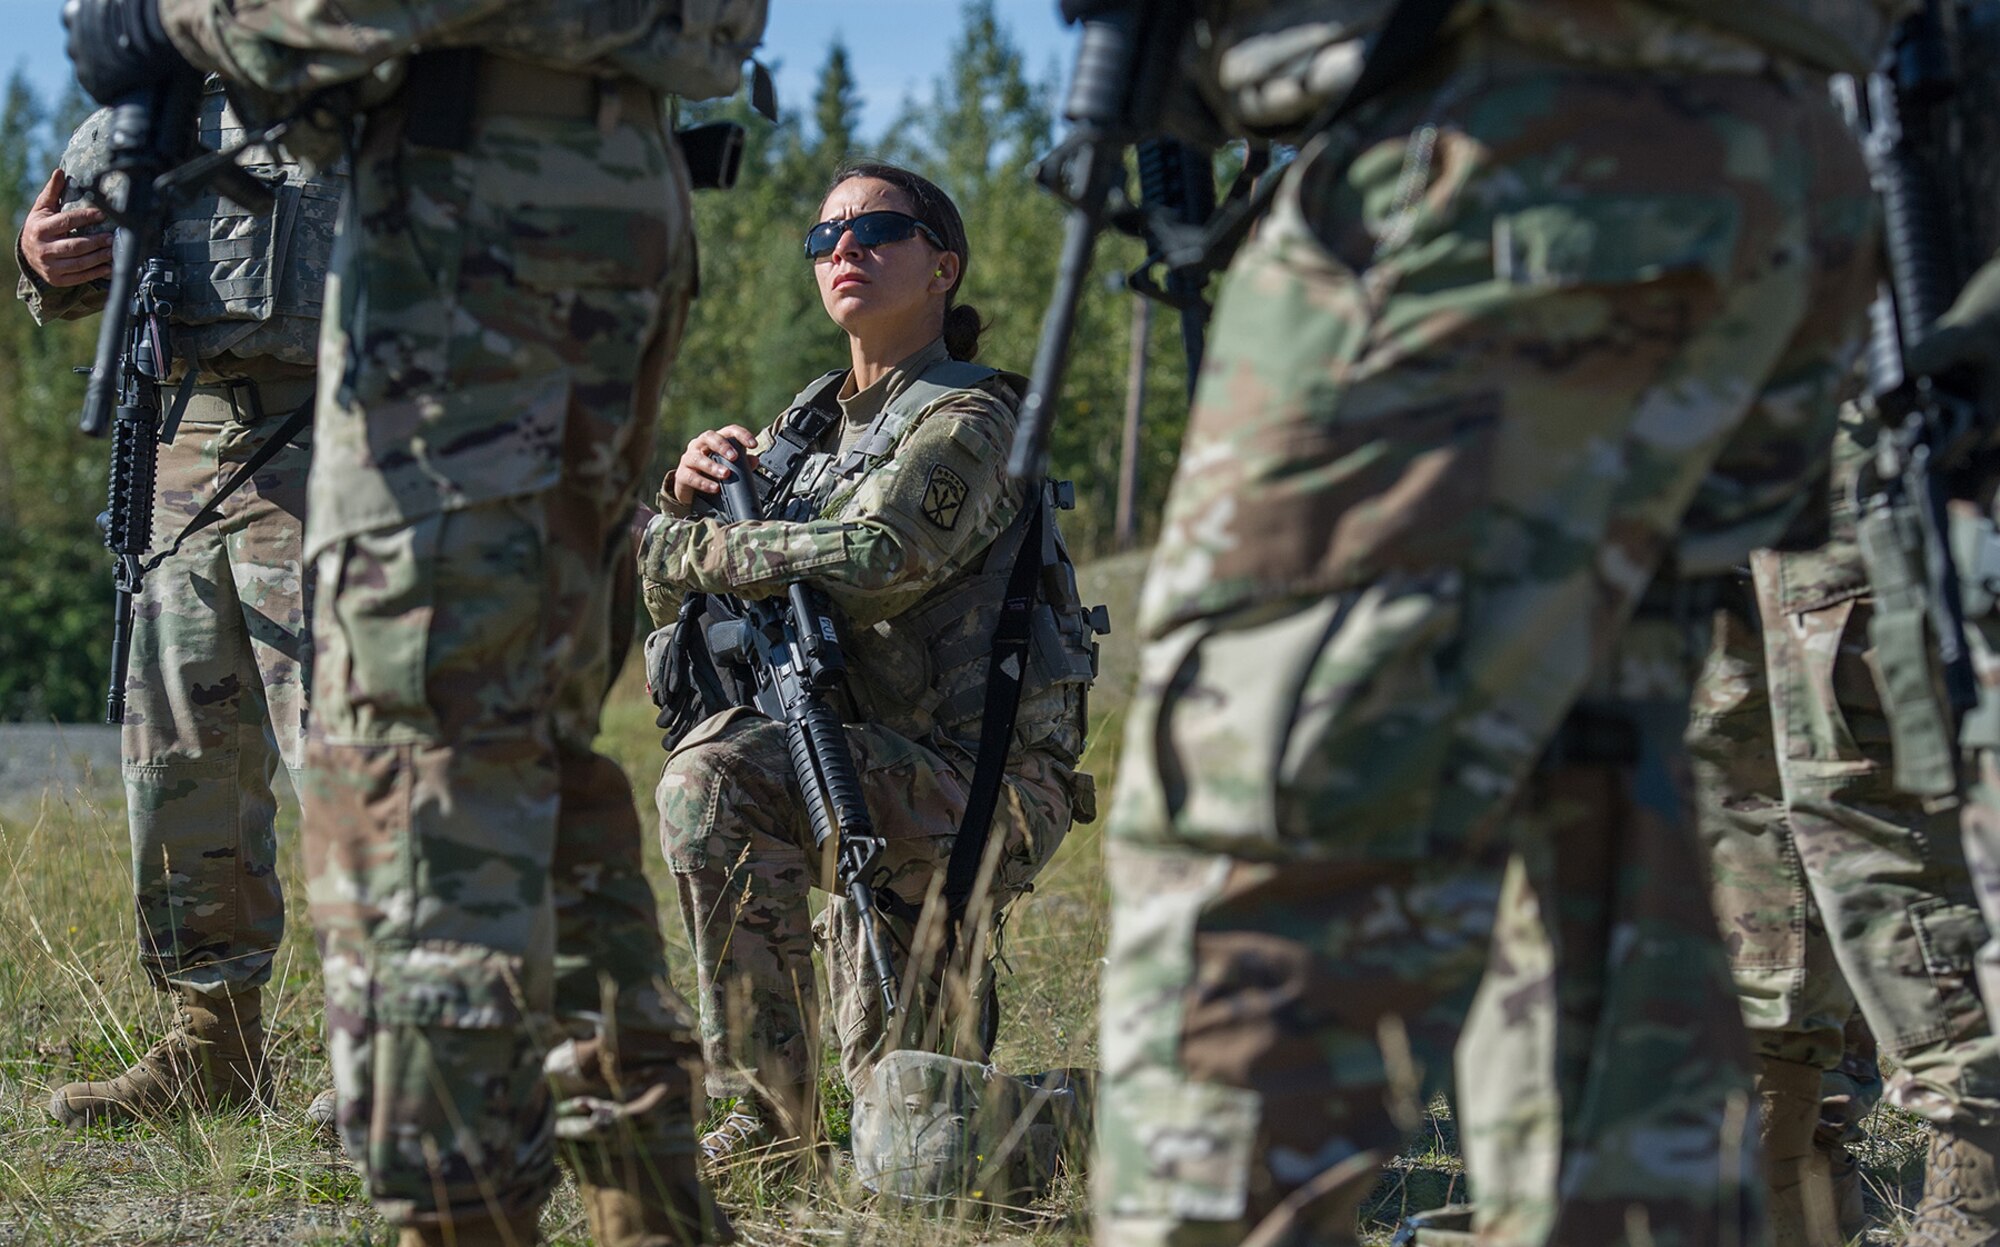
(911, 529)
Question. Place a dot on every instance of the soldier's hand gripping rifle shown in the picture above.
(789, 645)
(149, 174)
(1900, 114)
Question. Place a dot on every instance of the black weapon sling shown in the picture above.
(1006, 673)
(211, 511)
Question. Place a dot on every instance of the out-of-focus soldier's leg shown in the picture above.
(454, 806)
(1315, 787)
(213, 706)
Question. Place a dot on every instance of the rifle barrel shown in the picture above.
(121, 642)
(101, 394)
(1029, 458)
(885, 971)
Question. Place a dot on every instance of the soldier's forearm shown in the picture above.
(46, 303)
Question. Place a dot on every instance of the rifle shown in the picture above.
(1901, 116)
(1125, 64)
(1177, 195)
(789, 647)
(1124, 91)
(148, 176)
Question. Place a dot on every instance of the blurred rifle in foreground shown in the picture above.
(1128, 90)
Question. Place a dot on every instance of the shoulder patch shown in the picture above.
(944, 494)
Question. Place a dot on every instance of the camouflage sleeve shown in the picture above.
(293, 48)
(47, 303)
(55, 302)
(83, 159)
(663, 599)
(907, 527)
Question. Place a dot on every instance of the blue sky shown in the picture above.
(897, 46)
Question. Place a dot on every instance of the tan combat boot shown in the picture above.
(1961, 1203)
(741, 1133)
(637, 1200)
(1801, 1208)
(515, 1231)
(213, 1058)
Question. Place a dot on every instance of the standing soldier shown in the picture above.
(1834, 888)
(1837, 871)
(514, 276)
(216, 692)
(1529, 352)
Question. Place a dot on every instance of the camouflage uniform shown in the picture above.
(216, 691)
(899, 546)
(1833, 887)
(1567, 308)
(507, 298)
(1829, 884)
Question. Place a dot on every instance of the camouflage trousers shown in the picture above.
(1508, 1104)
(1833, 888)
(1468, 388)
(734, 827)
(216, 699)
(475, 867)
(1979, 770)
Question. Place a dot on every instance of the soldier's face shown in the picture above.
(889, 290)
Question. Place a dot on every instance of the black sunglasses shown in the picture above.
(871, 229)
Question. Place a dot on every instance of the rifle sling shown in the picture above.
(211, 511)
(1007, 671)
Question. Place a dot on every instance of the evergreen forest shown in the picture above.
(756, 337)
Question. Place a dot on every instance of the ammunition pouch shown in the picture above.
(1890, 535)
(1975, 544)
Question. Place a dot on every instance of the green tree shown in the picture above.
(55, 576)
(756, 334)
(836, 107)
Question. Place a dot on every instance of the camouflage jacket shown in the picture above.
(901, 549)
(283, 51)
(1271, 65)
(251, 285)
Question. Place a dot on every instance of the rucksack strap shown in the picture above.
(211, 511)
(937, 383)
(1006, 673)
(799, 429)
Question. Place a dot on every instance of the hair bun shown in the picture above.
(962, 327)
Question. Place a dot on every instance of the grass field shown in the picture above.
(74, 1004)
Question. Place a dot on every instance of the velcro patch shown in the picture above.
(944, 494)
